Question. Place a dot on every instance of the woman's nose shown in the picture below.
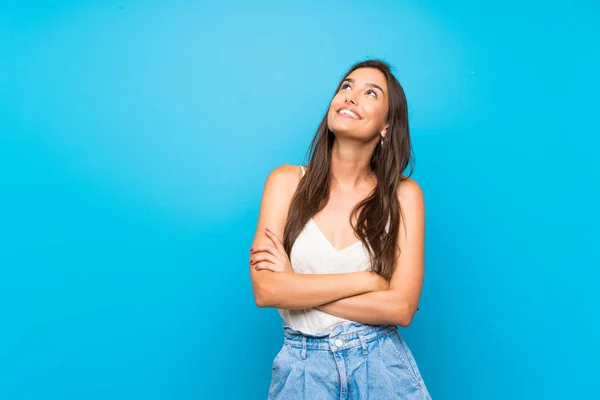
(350, 99)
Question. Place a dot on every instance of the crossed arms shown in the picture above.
(364, 297)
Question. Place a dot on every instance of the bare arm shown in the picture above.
(397, 305)
(288, 289)
(294, 291)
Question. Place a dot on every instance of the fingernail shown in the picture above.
(256, 268)
(267, 229)
(251, 249)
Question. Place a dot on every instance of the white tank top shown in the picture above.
(312, 253)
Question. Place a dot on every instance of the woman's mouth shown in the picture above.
(347, 113)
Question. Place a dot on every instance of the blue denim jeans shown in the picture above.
(351, 362)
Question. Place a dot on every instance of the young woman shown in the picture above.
(339, 250)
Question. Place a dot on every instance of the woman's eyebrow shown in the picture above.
(351, 80)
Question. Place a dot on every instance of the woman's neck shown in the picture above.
(350, 165)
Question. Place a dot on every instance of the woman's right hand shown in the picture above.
(379, 282)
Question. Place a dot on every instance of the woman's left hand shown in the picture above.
(271, 257)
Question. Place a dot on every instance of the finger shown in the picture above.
(266, 266)
(268, 248)
(278, 243)
(263, 256)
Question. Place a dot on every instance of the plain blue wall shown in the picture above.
(135, 138)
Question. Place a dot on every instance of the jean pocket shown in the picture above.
(278, 356)
(411, 358)
(279, 361)
(403, 353)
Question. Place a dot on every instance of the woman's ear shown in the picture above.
(384, 131)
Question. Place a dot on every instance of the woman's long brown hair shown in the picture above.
(387, 162)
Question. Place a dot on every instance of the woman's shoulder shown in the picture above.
(285, 178)
(409, 190)
(286, 172)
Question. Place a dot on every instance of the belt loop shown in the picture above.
(303, 355)
(363, 343)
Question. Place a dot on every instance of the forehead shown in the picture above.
(368, 75)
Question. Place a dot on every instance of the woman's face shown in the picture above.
(359, 109)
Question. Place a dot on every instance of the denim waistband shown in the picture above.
(341, 337)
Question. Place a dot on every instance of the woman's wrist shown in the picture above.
(377, 282)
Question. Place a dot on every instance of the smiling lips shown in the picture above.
(349, 113)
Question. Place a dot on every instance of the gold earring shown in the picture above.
(381, 142)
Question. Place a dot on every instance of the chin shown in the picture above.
(339, 127)
(344, 132)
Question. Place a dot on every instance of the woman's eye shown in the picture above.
(344, 86)
(371, 93)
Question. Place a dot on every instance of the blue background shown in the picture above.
(135, 138)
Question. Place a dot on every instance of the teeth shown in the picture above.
(349, 113)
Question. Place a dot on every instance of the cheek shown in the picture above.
(330, 113)
(335, 104)
(377, 113)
